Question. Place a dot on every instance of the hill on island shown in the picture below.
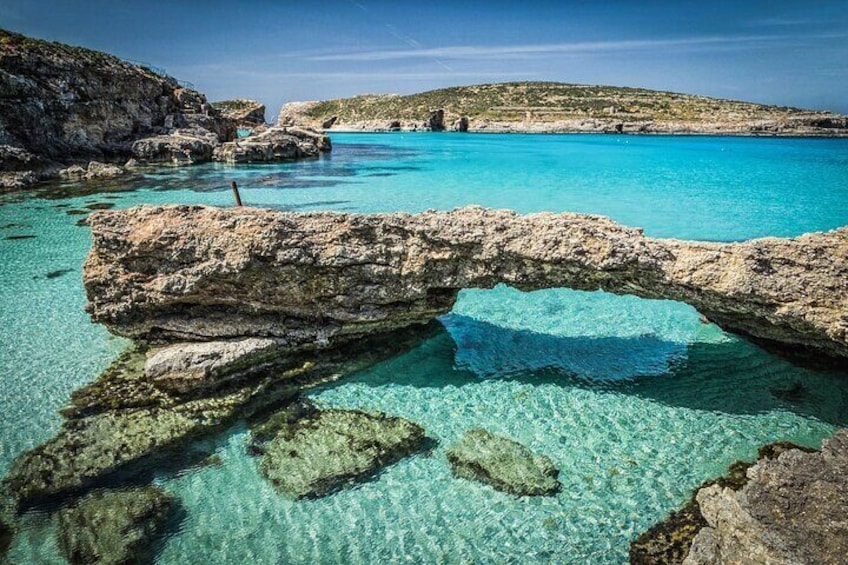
(552, 106)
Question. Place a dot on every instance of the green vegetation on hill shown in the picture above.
(548, 101)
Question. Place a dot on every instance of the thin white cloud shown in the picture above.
(531, 50)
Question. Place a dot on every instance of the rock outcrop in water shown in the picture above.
(63, 105)
(788, 507)
(190, 273)
(331, 448)
(504, 464)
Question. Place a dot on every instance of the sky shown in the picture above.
(775, 52)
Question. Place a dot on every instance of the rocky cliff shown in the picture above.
(549, 107)
(63, 105)
(185, 273)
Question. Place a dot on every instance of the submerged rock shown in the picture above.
(331, 448)
(125, 424)
(169, 273)
(6, 535)
(504, 464)
(114, 526)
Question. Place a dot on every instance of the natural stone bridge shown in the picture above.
(191, 273)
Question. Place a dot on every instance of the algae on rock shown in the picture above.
(322, 452)
(504, 464)
(114, 526)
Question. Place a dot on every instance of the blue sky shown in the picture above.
(788, 53)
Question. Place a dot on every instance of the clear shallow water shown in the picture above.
(636, 401)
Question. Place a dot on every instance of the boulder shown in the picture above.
(329, 122)
(332, 448)
(791, 510)
(183, 147)
(503, 464)
(189, 367)
(98, 170)
(114, 526)
(461, 124)
(274, 144)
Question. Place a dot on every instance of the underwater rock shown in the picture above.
(331, 448)
(6, 536)
(791, 510)
(502, 463)
(264, 429)
(123, 424)
(194, 273)
(114, 526)
(93, 447)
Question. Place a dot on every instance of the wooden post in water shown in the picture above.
(236, 193)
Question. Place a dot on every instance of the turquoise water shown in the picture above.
(636, 401)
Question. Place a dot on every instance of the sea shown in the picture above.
(636, 401)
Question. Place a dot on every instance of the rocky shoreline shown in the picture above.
(78, 114)
(546, 107)
(786, 507)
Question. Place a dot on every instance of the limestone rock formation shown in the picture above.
(504, 464)
(274, 144)
(63, 104)
(183, 368)
(190, 273)
(791, 510)
(242, 111)
(436, 120)
(145, 409)
(180, 147)
(114, 526)
(330, 448)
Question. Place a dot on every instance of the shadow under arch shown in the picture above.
(732, 376)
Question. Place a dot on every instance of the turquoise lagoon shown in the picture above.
(636, 401)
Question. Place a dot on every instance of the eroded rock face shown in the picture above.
(63, 104)
(114, 526)
(791, 510)
(504, 464)
(184, 273)
(242, 111)
(331, 448)
(274, 144)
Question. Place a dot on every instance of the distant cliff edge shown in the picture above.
(550, 107)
